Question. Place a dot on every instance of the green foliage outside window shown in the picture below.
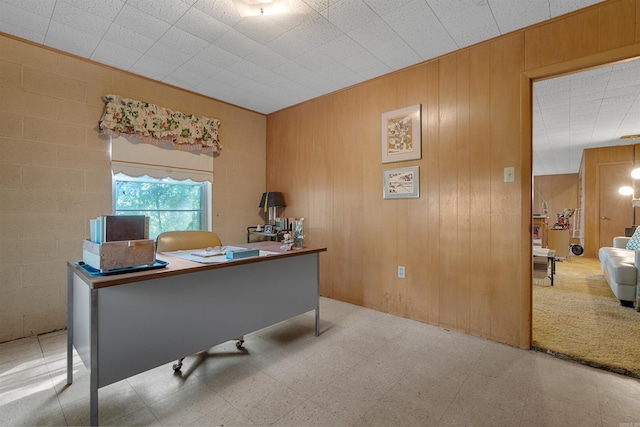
(170, 205)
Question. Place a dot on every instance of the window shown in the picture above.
(170, 204)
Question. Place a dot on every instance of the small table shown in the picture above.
(550, 254)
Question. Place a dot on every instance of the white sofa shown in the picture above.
(619, 269)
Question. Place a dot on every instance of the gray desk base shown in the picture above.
(122, 330)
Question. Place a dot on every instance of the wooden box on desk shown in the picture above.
(120, 254)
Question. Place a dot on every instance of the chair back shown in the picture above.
(191, 239)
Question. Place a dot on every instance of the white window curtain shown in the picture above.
(135, 158)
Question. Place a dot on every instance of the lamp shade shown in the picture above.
(272, 199)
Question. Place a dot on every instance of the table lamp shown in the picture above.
(270, 202)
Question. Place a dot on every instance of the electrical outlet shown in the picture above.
(509, 174)
(401, 271)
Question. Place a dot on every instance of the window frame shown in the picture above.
(205, 202)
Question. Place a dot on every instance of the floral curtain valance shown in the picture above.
(159, 125)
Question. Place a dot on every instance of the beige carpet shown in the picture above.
(579, 318)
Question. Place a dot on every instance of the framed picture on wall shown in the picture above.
(402, 134)
(403, 183)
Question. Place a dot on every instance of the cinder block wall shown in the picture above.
(55, 172)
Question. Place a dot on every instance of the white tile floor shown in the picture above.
(366, 369)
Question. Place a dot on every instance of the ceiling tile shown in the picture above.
(169, 54)
(184, 77)
(140, 22)
(292, 70)
(223, 11)
(23, 23)
(262, 29)
(419, 27)
(105, 9)
(510, 15)
(313, 33)
(217, 56)
(372, 33)
(247, 69)
(37, 7)
(168, 11)
(201, 25)
(70, 16)
(340, 74)
(395, 53)
(238, 43)
(317, 82)
(266, 58)
(340, 48)
(366, 65)
(115, 55)
(155, 68)
(348, 15)
(183, 41)
(561, 7)
(467, 21)
(71, 40)
(206, 69)
(121, 36)
(314, 60)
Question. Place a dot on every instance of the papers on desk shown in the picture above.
(208, 257)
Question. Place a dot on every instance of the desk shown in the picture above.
(125, 324)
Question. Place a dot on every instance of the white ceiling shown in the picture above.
(268, 63)
(584, 110)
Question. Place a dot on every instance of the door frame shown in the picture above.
(527, 78)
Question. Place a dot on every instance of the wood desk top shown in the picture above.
(178, 266)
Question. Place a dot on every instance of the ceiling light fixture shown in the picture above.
(261, 7)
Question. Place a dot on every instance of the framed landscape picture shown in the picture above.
(402, 134)
(403, 183)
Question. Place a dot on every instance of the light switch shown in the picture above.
(401, 271)
(509, 174)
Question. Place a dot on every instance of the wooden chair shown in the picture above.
(180, 240)
(192, 239)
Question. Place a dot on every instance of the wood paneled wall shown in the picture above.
(623, 156)
(465, 242)
(559, 191)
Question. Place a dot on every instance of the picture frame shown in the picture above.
(401, 134)
(402, 183)
(268, 228)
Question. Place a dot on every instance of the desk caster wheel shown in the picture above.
(239, 343)
(178, 365)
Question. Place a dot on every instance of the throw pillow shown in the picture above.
(634, 242)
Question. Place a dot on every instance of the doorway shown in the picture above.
(587, 104)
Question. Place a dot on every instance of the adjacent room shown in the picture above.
(306, 212)
(584, 151)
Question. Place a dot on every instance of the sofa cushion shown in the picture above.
(622, 270)
(605, 253)
(634, 242)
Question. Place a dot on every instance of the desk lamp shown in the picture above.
(270, 202)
